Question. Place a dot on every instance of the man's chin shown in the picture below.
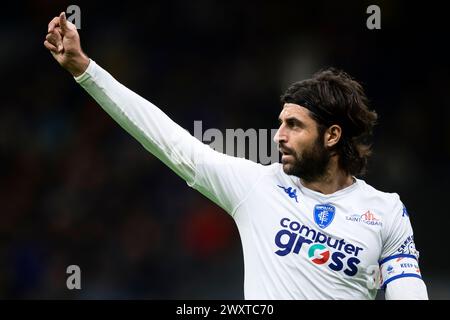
(288, 168)
(291, 168)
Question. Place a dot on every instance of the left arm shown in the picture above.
(406, 289)
(399, 264)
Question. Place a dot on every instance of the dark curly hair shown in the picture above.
(333, 97)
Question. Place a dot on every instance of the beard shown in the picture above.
(309, 165)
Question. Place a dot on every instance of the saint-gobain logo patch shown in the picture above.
(324, 214)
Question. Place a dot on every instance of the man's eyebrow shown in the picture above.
(292, 119)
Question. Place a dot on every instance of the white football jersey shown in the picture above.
(302, 244)
(297, 243)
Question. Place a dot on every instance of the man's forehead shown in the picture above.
(294, 110)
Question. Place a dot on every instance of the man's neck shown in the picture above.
(333, 180)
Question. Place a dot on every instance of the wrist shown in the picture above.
(78, 65)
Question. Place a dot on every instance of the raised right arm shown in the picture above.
(224, 179)
(160, 135)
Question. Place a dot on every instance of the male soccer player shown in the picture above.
(309, 228)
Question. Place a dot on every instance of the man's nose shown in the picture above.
(280, 136)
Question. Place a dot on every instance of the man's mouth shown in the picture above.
(284, 152)
(285, 155)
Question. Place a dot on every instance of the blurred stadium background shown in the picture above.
(76, 189)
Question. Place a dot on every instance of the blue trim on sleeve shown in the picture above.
(403, 275)
(401, 255)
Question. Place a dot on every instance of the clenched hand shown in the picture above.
(63, 41)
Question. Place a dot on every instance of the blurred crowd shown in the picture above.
(75, 189)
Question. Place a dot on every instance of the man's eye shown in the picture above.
(290, 123)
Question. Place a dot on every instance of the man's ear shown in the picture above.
(332, 136)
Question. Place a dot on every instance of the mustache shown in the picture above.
(285, 150)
